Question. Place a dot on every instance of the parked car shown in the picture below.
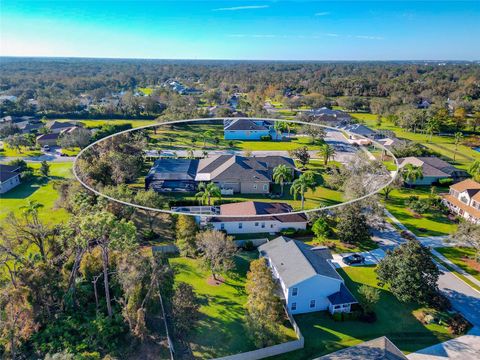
(353, 259)
(46, 148)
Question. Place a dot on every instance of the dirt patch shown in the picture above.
(414, 214)
(472, 264)
(215, 282)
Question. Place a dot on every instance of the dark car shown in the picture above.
(353, 259)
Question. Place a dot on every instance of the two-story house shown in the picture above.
(306, 276)
(464, 200)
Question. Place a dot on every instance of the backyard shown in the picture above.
(324, 335)
(431, 223)
(221, 329)
(39, 190)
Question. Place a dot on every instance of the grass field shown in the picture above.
(462, 257)
(443, 145)
(221, 330)
(433, 223)
(97, 123)
(38, 190)
(324, 335)
(190, 136)
(7, 151)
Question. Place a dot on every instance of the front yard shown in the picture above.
(324, 335)
(431, 223)
(221, 330)
(463, 257)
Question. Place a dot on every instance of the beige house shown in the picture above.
(464, 200)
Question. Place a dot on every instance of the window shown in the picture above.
(294, 291)
(222, 226)
(265, 187)
(337, 306)
(240, 225)
(346, 305)
(294, 306)
(255, 186)
(256, 224)
(312, 304)
(263, 225)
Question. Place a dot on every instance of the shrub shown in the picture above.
(370, 317)
(440, 302)
(337, 316)
(446, 181)
(266, 137)
(458, 325)
(248, 245)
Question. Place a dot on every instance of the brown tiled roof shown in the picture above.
(468, 209)
(468, 184)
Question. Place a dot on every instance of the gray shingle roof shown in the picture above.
(432, 166)
(296, 262)
(377, 349)
(344, 296)
(7, 172)
(245, 124)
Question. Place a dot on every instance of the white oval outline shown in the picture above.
(233, 216)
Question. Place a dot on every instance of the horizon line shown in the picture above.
(226, 59)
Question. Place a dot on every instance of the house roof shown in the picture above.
(246, 124)
(467, 184)
(296, 262)
(252, 208)
(431, 166)
(7, 172)
(48, 136)
(360, 129)
(327, 113)
(173, 169)
(240, 168)
(60, 125)
(377, 349)
(344, 296)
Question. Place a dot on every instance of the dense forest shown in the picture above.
(59, 86)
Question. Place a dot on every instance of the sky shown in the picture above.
(242, 30)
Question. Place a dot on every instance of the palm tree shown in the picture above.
(300, 186)
(411, 173)
(458, 139)
(432, 126)
(474, 170)
(279, 126)
(326, 152)
(206, 135)
(207, 192)
(282, 173)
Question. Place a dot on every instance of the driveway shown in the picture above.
(371, 258)
(466, 347)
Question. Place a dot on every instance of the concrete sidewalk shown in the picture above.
(466, 347)
(455, 267)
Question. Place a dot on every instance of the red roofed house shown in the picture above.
(464, 200)
(243, 224)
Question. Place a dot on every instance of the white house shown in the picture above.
(9, 178)
(464, 200)
(308, 279)
(242, 223)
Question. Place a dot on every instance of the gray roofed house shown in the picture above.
(360, 129)
(433, 169)
(172, 175)
(307, 277)
(330, 117)
(247, 129)
(58, 126)
(9, 177)
(377, 349)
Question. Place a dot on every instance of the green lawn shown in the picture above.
(180, 136)
(221, 330)
(7, 151)
(324, 335)
(462, 257)
(97, 123)
(443, 145)
(39, 190)
(146, 90)
(433, 223)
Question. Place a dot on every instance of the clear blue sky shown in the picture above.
(263, 30)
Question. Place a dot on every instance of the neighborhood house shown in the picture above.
(308, 279)
(330, 117)
(433, 170)
(231, 173)
(464, 200)
(9, 178)
(243, 224)
(245, 129)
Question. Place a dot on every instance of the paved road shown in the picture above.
(466, 347)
